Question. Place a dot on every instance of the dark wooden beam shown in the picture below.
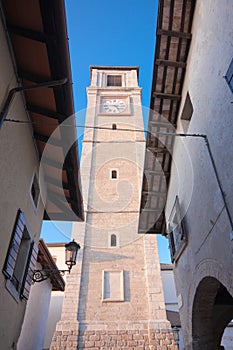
(157, 150)
(152, 210)
(64, 216)
(45, 112)
(30, 34)
(174, 33)
(58, 203)
(32, 76)
(60, 197)
(167, 125)
(166, 96)
(160, 62)
(157, 172)
(57, 183)
(56, 164)
(46, 139)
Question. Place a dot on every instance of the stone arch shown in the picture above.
(212, 311)
(205, 268)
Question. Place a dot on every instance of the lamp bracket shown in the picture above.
(42, 275)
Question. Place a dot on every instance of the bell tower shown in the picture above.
(114, 296)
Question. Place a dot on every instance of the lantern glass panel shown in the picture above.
(71, 253)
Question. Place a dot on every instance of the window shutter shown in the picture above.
(32, 258)
(172, 244)
(14, 245)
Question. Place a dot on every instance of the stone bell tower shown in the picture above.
(114, 297)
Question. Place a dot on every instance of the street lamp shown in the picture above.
(71, 252)
(72, 249)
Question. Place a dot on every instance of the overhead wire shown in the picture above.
(17, 121)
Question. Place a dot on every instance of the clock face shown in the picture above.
(114, 106)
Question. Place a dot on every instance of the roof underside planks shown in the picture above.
(38, 36)
(173, 38)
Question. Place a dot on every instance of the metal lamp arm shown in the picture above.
(42, 275)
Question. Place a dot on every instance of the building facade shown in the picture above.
(31, 109)
(57, 251)
(32, 335)
(206, 296)
(193, 72)
(114, 296)
(171, 302)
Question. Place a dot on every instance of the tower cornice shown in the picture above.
(94, 89)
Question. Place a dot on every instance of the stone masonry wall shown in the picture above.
(100, 312)
(115, 339)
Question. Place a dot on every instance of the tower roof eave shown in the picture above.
(115, 68)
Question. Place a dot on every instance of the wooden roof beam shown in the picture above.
(159, 124)
(60, 197)
(174, 33)
(58, 203)
(25, 75)
(157, 150)
(157, 172)
(46, 139)
(152, 210)
(45, 112)
(163, 95)
(175, 64)
(30, 34)
(57, 183)
(56, 164)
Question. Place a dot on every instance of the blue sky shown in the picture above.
(108, 32)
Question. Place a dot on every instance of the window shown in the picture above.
(114, 126)
(229, 76)
(20, 260)
(187, 113)
(35, 191)
(113, 240)
(177, 234)
(114, 174)
(114, 80)
(113, 286)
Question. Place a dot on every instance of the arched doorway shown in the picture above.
(212, 311)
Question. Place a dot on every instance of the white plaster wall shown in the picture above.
(227, 340)
(55, 306)
(209, 250)
(19, 160)
(171, 301)
(54, 315)
(35, 320)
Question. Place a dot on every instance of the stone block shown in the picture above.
(89, 344)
